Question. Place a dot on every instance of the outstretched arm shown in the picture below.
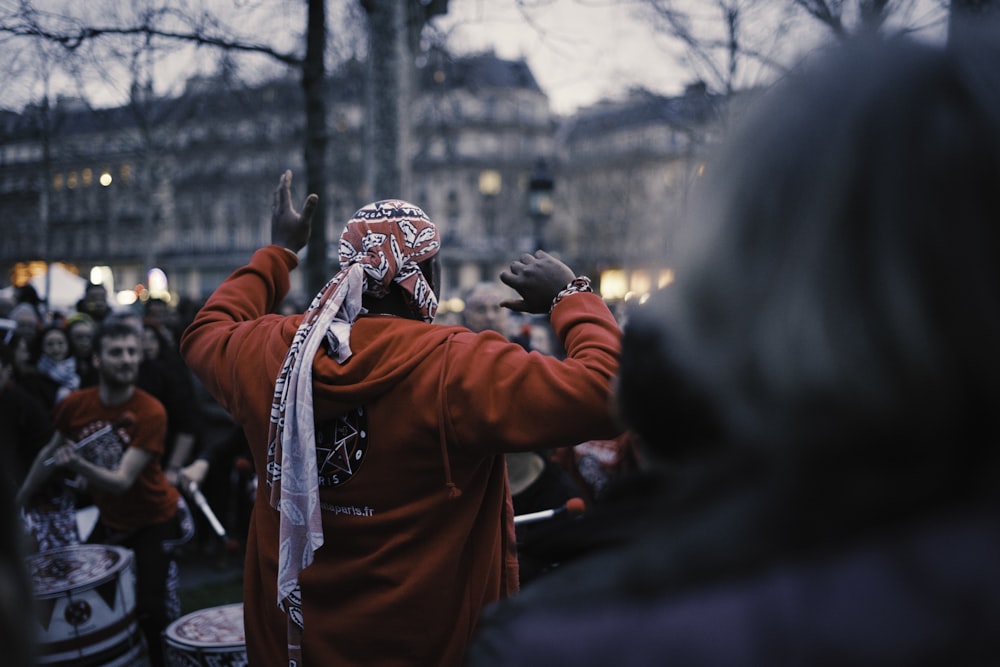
(116, 481)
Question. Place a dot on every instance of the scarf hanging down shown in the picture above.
(382, 244)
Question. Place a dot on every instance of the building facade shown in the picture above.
(626, 170)
(183, 184)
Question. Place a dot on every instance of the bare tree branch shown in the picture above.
(827, 12)
(722, 38)
(75, 39)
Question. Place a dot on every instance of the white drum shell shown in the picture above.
(86, 606)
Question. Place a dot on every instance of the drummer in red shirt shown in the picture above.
(121, 469)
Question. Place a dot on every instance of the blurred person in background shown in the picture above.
(28, 295)
(815, 394)
(160, 315)
(81, 329)
(49, 507)
(94, 302)
(38, 384)
(28, 323)
(164, 374)
(25, 423)
(56, 361)
(483, 311)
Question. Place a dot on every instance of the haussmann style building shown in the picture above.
(169, 195)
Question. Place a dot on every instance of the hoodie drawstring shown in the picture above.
(453, 491)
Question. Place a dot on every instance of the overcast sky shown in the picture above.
(579, 50)
(583, 50)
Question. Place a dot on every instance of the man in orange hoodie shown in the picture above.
(383, 524)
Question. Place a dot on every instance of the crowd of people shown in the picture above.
(92, 414)
(788, 456)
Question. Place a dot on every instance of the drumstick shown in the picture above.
(572, 506)
(191, 487)
(126, 420)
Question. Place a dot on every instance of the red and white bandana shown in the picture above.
(382, 244)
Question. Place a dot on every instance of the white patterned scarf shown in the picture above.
(382, 244)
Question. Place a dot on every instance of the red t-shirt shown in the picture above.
(152, 499)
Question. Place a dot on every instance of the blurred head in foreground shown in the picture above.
(837, 294)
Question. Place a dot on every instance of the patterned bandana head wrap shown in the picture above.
(382, 244)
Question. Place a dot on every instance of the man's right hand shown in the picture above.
(289, 228)
(538, 279)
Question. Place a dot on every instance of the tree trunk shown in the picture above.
(314, 88)
(388, 92)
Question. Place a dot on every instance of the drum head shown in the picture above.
(76, 567)
(213, 628)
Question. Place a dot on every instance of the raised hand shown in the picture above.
(289, 228)
(538, 279)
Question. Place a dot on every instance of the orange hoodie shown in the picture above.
(406, 565)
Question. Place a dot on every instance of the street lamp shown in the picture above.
(540, 205)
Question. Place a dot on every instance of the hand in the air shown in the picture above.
(289, 228)
(538, 279)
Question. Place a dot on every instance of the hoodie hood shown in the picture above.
(386, 349)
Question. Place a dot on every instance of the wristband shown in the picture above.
(579, 285)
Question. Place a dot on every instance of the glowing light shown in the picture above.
(452, 305)
(101, 275)
(640, 282)
(490, 182)
(22, 272)
(105, 179)
(126, 297)
(614, 284)
(158, 283)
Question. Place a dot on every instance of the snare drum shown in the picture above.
(210, 637)
(85, 607)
